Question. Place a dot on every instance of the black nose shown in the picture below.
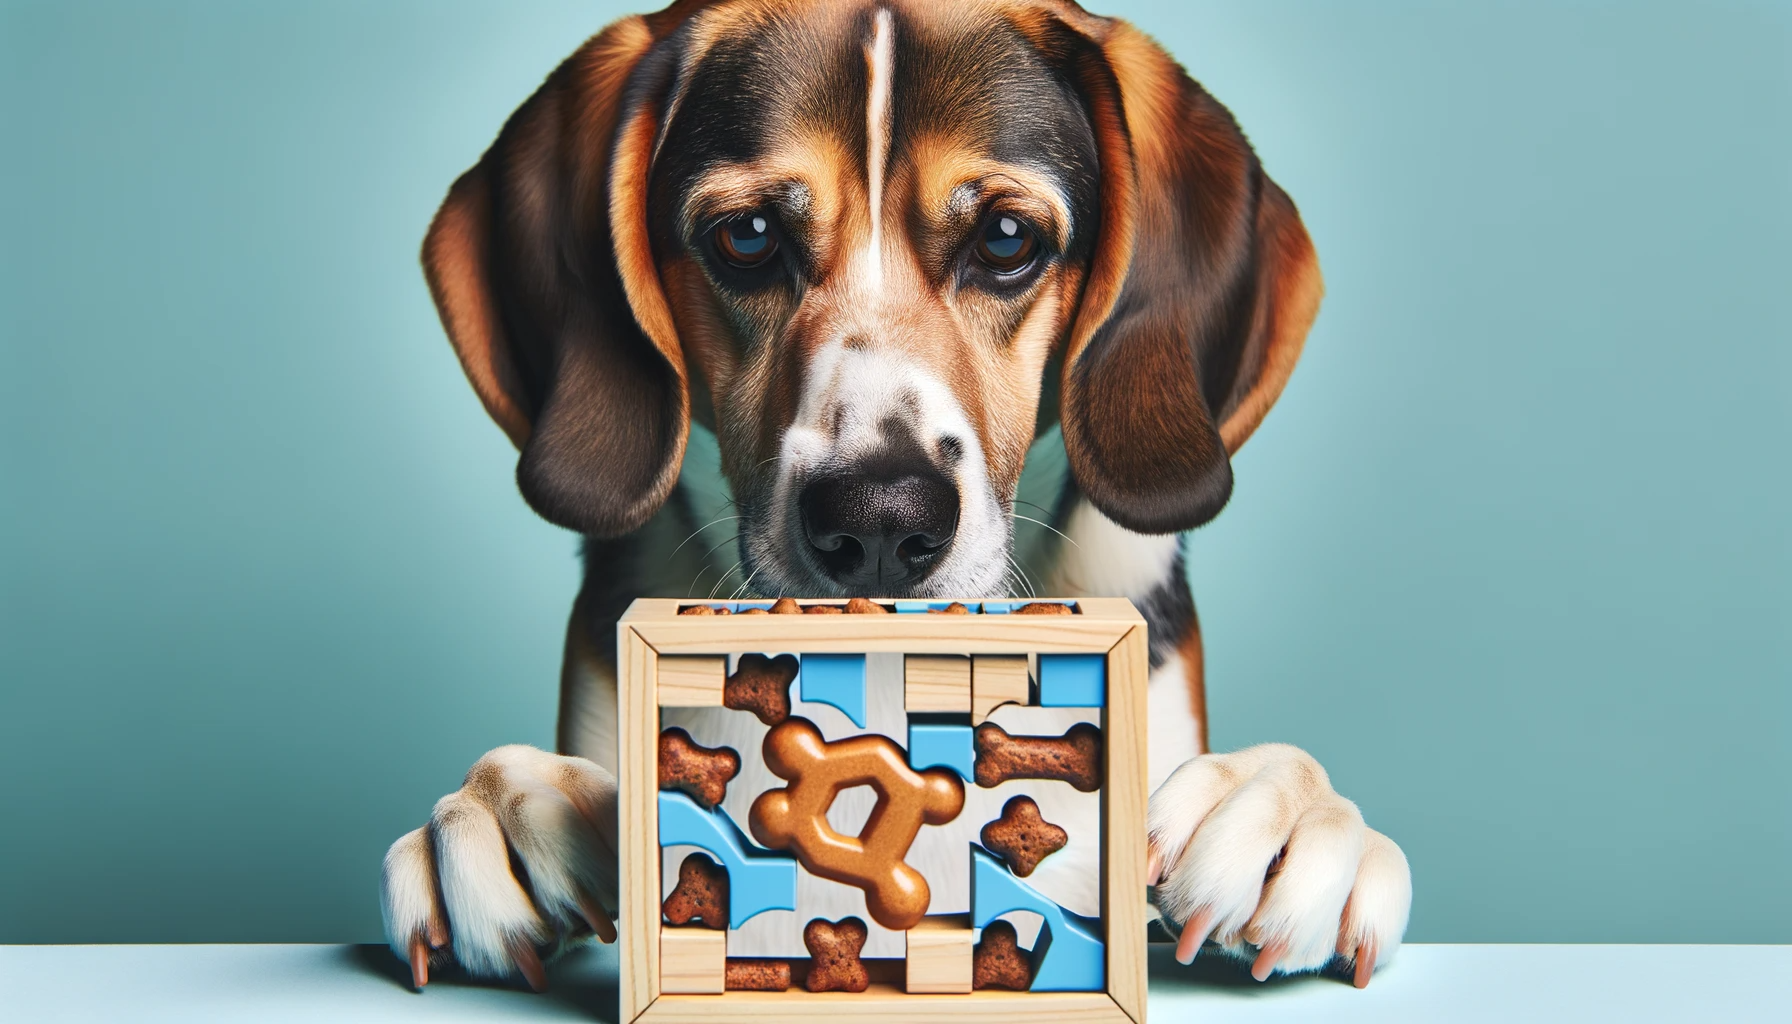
(873, 535)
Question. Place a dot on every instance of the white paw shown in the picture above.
(1253, 849)
(449, 887)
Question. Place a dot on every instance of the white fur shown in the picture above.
(880, 60)
(1220, 822)
(1174, 730)
(1099, 556)
(1380, 901)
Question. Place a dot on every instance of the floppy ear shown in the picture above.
(1198, 299)
(540, 267)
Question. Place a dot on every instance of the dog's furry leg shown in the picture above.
(1097, 557)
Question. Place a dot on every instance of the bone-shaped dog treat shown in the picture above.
(698, 770)
(999, 962)
(761, 685)
(834, 964)
(701, 892)
(1022, 836)
(1074, 757)
(795, 818)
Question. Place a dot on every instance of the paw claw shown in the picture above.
(1365, 964)
(1267, 958)
(1194, 932)
(1154, 868)
(600, 922)
(527, 961)
(419, 962)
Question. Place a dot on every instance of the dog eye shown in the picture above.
(1006, 244)
(746, 241)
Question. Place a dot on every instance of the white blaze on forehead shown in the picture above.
(879, 58)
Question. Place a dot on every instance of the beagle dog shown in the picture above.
(880, 297)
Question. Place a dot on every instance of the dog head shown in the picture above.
(876, 247)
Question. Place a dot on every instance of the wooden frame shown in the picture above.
(652, 627)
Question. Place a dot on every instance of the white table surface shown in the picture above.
(280, 983)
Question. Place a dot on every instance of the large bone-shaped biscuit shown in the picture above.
(795, 818)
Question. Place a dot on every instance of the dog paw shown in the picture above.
(515, 864)
(1255, 851)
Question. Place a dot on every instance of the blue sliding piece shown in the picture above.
(758, 880)
(949, 746)
(1073, 680)
(907, 607)
(1067, 956)
(836, 679)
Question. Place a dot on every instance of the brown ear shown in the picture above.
(539, 264)
(1198, 299)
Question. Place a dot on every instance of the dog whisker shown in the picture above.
(1030, 519)
(721, 580)
(742, 589)
(692, 589)
(718, 547)
(1019, 575)
(698, 530)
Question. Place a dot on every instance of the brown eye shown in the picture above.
(746, 241)
(1006, 244)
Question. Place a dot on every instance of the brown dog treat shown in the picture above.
(756, 975)
(824, 609)
(1074, 757)
(1043, 608)
(834, 964)
(754, 611)
(698, 770)
(786, 606)
(1022, 837)
(761, 685)
(999, 962)
(865, 606)
(696, 609)
(701, 892)
(795, 818)
(955, 608)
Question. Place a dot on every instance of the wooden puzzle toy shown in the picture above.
(886, 809)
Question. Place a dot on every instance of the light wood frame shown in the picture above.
(652, 627)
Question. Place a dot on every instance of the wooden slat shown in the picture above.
(691, 680)
(888, 1004)
(938, 954)
(638, 821)
(997, 679)
(1123, 898)
(936, 682)
(911, 634)
(693, 959)
(1117, 609)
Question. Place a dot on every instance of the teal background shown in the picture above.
(1510, 557)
